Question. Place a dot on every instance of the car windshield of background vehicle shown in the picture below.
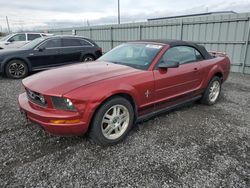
(32, 44)
(137, 55)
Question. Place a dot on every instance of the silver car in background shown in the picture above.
(17, 40)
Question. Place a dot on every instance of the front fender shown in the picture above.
(98, 99)
(92, 97)
(123, 89)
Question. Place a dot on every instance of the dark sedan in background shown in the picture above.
(44, 53)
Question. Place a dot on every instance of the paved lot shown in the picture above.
(194, 146)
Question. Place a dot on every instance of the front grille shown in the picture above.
(36, 97)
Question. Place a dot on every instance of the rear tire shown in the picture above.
(88, 58)
(212, 91)
(112, 122)
(16, 69)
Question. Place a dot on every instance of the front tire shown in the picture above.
(16, 69)
(212, 92)
(112, 122)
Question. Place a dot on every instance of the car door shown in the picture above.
(174, 84)
(47, 54)
(71, 51)
(16, 41)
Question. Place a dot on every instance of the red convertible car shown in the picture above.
(134, 81)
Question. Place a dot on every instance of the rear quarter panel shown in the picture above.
(213, 66)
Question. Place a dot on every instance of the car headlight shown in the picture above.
(63, 103)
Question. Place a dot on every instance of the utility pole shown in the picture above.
(88, 24)
(119, 19)
(7, 21)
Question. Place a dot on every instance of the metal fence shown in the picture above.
(227, 33)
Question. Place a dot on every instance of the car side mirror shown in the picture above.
(10, 40)
(168, 64)
(40, 49)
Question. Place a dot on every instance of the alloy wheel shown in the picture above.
(17, 70)
(88, 58)
(214, 91)
(115, 122)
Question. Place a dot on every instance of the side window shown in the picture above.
(187, 54)
(172, 54)
(52, 43)
(33, 36)
(182, 54)
(18, 37)
(85, 43)
(71, 42)
(199, 57)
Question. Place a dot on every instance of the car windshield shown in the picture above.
(33, 43)
(5, 38)
(137, 55)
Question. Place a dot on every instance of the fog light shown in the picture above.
(57, 121)
(61, 121)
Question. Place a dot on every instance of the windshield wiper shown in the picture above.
(116, 62)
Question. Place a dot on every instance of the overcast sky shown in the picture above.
(33, 14)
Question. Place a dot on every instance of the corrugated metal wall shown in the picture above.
(227, 33)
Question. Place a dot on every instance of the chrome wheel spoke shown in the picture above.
(115, 111)
(108, 129)
(124, 118)
(119, 127)
(14, 65)
(106, 121)
(20, 66)
(118, 110)
(116, 130)
(107, 116)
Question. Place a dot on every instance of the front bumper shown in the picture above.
(43, 116)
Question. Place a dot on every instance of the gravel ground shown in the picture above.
(193, 146)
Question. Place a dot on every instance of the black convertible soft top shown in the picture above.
(173, 43)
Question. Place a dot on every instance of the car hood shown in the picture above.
(60, 81)
(2, 42)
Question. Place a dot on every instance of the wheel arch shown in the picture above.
(215, 71)
(16, 58)
(219, 74)
(125, 95)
